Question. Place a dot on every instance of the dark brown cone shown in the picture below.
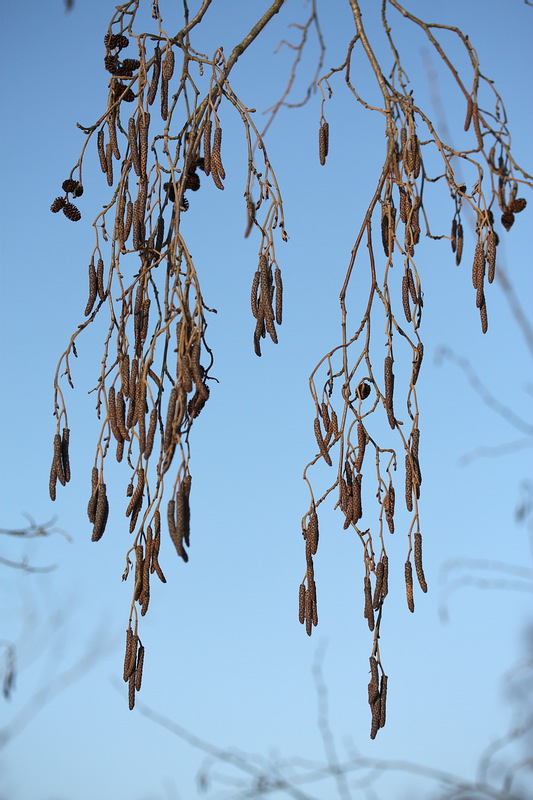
(58, 204)
(71, 212)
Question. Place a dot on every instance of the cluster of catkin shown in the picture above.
(266, 301)
(60, 468)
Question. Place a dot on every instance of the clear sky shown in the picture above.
(225, 655)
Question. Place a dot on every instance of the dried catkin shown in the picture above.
(478, 265)
(369, 611)
(52, 482)
(279, 295)
(405, 298)
(389, 390)
(138, 571)
(207, 146)
(484, 318)
(323, 142)
(301, 603)
(129, 220)
(469, 109)
(58, 460)
(101, 150)
(101, 513)
(383, 701)
(100, 280)
(131, 692)
(109, 160)
(409, 586)
(460, 242)
(312, 532)
(477, 129)
(408, 483)
(144, 123)
(357, 508)
(417, 362)
(361, 445)
(418, 562)
(150, 436)
(491, 255)
(453, 237)
(321, 446)
(385, 585)
(388, 506)
(217, 170)
(373, 685)
(152, 91)
(92, 289)
(131, 654)
(65, 439)
(167, 67)
(379, 586)
(136, 499)
(91, 506)
(139, 669)
(112, 414)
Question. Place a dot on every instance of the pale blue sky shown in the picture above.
(226, 657)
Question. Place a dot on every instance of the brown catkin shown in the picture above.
(323, 142)
(312, 532)
(418, 562)
(279, 295)
(417, 362)
(369, 611)
(383, 701)
(100, 279)
(478, 265)
(484, 318)
(167, 67)
(131, 692)
(408, 483)
(385, 585)
(131, 654)
(357, 508)
(164, 99)
(58, 460)
(144, 124)
(152, 91)
(91, 506)
(491, 255)
(112, 129)
(101, 150)
(253, 295)
(92, 289)
(129, 220)
(136, 499)
(379, 586)
(301, 603)
(389, 502)
(469, 108)
(373, 685)
(405, 298)
(65, 439)
(134, 149)
(389, 390)
(112, 414)
(376, 716)
(109, 160)
(460, 242)
(101, 513)
(361, 445)
(139, 669)
(321, 446)
(207, 146)
(150, 436)
(120, 406)
(409, 586)
(477, 128)
(138, 571)
(52, 482)
(453, 237)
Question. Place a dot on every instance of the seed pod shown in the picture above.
(101, 513)
(369, 611)
(409, 586)
(323, 142)
(71, 212)
(418, 562)
(517, 205)
(58, 205)
(64, 453)
(363, 390)
(152, 91)
(92, 289)
(101, 150)
(321, 446)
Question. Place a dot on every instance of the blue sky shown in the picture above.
(226, 657)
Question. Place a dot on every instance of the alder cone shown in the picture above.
(71, 212)
(58, 204)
